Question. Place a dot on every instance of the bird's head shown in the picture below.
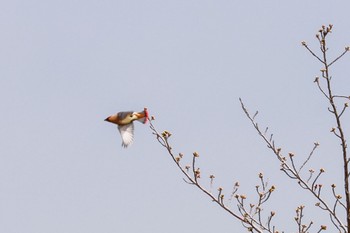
(133, 116)
(142, 116)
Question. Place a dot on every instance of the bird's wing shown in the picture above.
(127, 133)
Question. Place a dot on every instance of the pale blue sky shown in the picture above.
(67, 65)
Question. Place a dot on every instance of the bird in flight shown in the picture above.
(125, 120)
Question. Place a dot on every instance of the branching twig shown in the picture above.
(291, 172)
(247, 220)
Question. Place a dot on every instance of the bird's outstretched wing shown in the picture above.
(127, 133)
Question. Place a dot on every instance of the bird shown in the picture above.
(125, 120)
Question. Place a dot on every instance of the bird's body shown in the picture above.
(125, 120)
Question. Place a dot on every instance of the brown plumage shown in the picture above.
(125, 120)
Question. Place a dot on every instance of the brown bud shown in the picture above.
(323, 227)
(322, 170)
(166, 134)
(195, 154)
(291, 154)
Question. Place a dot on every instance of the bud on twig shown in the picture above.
(197, 173)
(166, 134)
(222, 197)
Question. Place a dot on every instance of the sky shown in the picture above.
(67, 65)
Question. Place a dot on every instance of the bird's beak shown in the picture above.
(107, 119)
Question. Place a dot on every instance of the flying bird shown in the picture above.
(125, 120)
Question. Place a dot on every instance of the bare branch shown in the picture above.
(316, 144)
(313, 54)
(340, 56)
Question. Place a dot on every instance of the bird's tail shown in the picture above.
(143, 116)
